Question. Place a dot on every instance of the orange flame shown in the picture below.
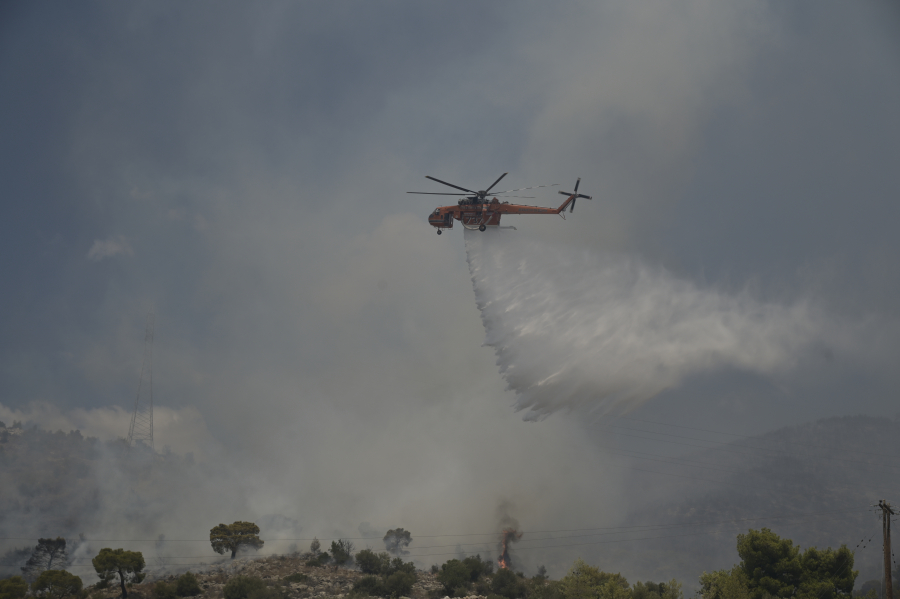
(507, 536)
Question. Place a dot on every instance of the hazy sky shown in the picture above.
(240, 169)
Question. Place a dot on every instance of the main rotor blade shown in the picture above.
(435, 193)
(451, 185)
(577, 183)
(495, 182)
(524, 188)
(581, 195)
(565, 193)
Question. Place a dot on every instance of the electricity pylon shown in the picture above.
(886, 513)
(141, 428)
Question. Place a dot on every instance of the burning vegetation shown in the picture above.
(507, 536)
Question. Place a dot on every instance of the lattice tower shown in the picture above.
(141, 428)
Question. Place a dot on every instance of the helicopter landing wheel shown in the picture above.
(482, 228)
(439, 231)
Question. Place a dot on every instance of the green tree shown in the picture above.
(232, 537)
(774, 566)
(46, 554)
(770, 563)
(541, 588)
(370, 562)
(341, 552)
(14, 587)
(315, 546)
(657, 590)
(826, 574)
(127, 566)
(56, 584)
(399, 584)
(478, 567)
(724, 584)
(507, 584)
(187, 585)
(397, 540)
(587, 582)
(398, 565)
(370, 585)
(455, 577)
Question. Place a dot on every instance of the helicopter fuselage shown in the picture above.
(476, 214)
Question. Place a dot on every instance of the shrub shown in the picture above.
(296, 577)
(507, 584)
(478, 567)
(341, 551)
(164, 590)
(399, 584)
(319, 561)
(370, 562)
(398, 565)
(266, 593)
(454, 577)
(240, 587)
(370, 585)
(187, 585)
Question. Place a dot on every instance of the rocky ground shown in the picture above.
(321, 582)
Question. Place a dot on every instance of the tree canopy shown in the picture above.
(14, 587)
(724, 584)
(56, 584)
(587, 582)
(397, 540)
(46, 554)
(232, 537)
(657, 590)
(126, 565)
(505, 583)
(341, 551)
(772, 566)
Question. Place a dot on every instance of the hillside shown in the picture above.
(326, 581)
(813, 483)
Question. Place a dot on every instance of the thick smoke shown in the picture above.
(606, 332)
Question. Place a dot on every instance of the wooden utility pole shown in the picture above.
(886, 513)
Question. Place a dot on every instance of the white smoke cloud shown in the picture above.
(607, 332)
(182, 430)
(107, 248)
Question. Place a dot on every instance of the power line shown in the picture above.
(641, 528)
(722, 446)
(706, 430)
(518, 548)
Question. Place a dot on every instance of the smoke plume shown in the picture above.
(581, 330)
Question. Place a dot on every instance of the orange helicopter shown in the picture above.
(475, 211)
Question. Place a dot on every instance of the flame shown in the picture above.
(507, 536)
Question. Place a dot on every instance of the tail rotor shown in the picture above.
(576, 194)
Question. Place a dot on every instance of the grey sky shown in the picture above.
(241, 169)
